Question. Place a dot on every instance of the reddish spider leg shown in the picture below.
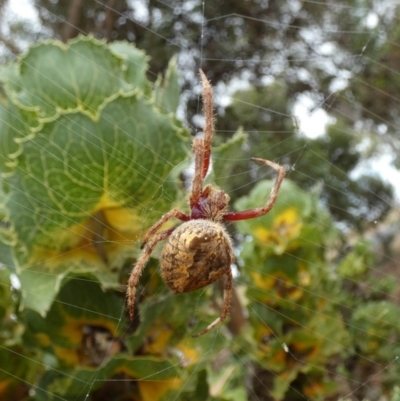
(208, 112)
(167, 216)
(225, 306)
(260, 211)
(140, 264)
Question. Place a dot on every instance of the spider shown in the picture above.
(199, 251)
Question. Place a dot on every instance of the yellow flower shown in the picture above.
(285, 227)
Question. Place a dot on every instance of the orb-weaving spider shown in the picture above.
(199, 251)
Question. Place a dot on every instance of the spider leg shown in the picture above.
(225, 307)
(197, 184)
(208, 110)
(167, 216)
(260, 211)
(202, 147)
(140, 264)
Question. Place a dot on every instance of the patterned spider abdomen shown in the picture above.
(198, 253)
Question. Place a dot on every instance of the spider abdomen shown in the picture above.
(198, 253)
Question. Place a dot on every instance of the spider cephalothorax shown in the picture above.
(212, 205)
(199, 251)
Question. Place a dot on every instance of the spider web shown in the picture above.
(240, 354)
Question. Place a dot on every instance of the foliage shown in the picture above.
(356, 201)
(79, 162)
(270, 41)
(90, 157)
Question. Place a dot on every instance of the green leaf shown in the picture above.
(373, 323)
(282, 226)
(16, 126)
(201, 392)
(222, 154)
(89, 161)
(146, 378)
(80, 304)
(136, 64)
(357, 262)
(38, 290)
(16, 370)
(396, 394)
(81, 76)
(5, 292)
(76, 166)
(167, 90)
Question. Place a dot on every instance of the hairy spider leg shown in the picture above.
(261, 211)
(197, 184)
(208, 112)
(139, 266)
(225, 307)
(167, 216)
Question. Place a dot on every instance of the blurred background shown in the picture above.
(313, 85)
(317, 78)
